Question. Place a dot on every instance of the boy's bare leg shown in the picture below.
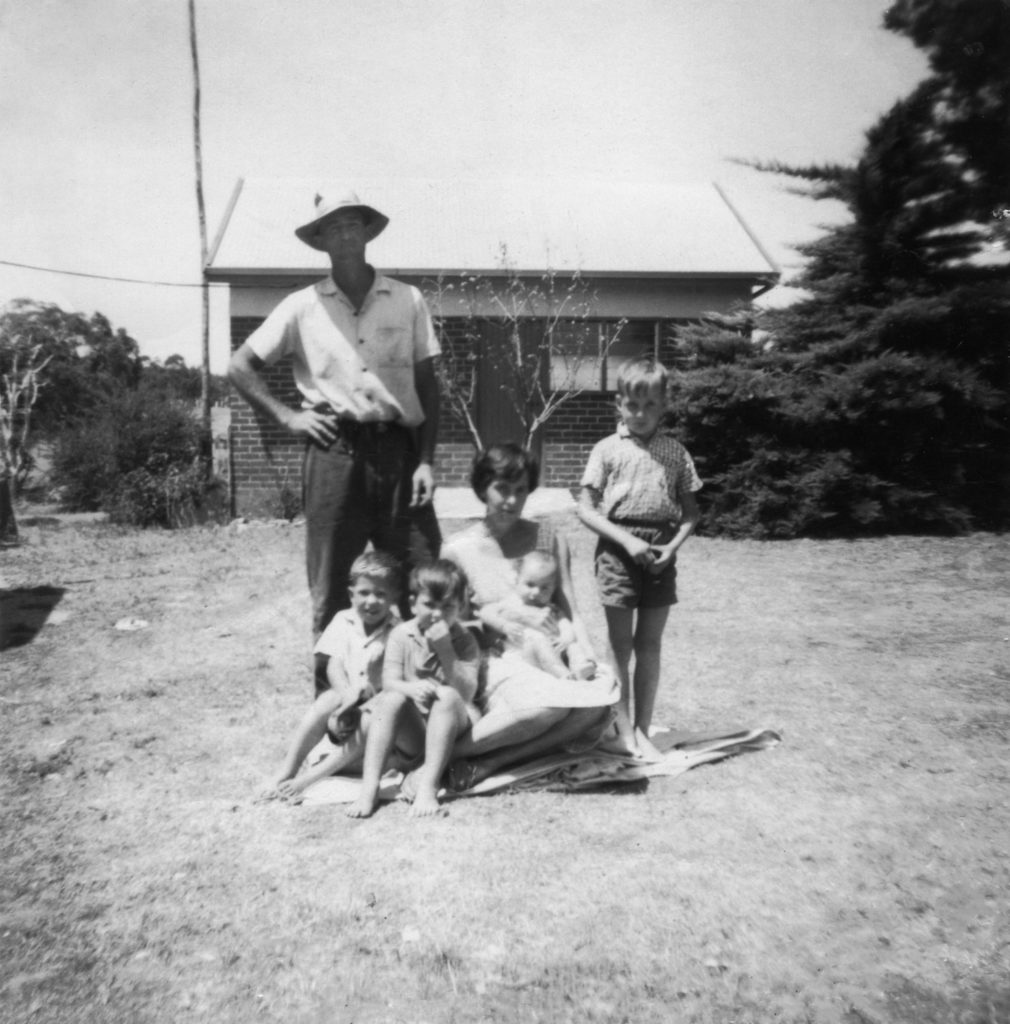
(621, 630)
(446, 720)
(311, 730)
(648, 646)
(381, 728)
(347, 755)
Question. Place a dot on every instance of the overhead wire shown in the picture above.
(147, 281)
(108, 277)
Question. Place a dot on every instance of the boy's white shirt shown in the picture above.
(357, 653)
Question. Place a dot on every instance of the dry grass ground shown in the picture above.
(858, 873)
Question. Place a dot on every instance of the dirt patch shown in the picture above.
(857, 873)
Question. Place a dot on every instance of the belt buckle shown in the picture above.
(349, 430)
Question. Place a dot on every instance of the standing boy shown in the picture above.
(363, 352)
(638, 495)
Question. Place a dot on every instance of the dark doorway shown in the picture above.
(497, 418)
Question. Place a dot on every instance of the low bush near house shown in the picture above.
(137, 458)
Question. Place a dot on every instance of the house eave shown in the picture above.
(229, 275)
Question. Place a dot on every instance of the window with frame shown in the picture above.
(588, 354)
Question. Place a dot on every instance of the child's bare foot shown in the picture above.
(289, 790)
(622, 740)
(646, 749)
(426, 805)
(363, 807)
(408, 787)
(272, 790)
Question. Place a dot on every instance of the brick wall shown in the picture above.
(266, 461)
(571, 433)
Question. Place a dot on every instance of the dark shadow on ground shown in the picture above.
(23, 612)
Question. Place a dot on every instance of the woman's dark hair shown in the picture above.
(503, 462)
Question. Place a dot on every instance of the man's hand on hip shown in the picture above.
(423, 486)
(320, 427)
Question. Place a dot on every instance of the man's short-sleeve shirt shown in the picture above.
(641, 480)
(357, 653)
(360, 363)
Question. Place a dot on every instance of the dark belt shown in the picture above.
(354, 432)
(654, 524)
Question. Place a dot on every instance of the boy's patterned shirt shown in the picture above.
(641, 479)
(357, 653)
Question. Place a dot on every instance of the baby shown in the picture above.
(533, 624)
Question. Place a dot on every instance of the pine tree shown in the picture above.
(884, 404)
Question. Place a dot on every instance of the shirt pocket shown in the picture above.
(393, 347)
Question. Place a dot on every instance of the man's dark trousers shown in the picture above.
(358, 490)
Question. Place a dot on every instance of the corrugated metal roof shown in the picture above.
(598, 228)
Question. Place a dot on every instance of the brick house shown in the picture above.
(653, 255)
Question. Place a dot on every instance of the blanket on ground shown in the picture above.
(571, 773)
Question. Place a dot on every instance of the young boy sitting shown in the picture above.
(532, 624)
(349, 659)
(429, 685)
(638, 495)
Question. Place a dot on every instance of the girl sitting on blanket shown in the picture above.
(527, 711)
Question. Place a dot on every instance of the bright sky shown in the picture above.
(96, 166)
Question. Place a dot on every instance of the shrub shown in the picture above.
(792, 445)
(169, 498)
(137, 458)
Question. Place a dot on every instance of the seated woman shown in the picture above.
(527, 712)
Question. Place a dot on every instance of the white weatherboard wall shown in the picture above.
(653, 298)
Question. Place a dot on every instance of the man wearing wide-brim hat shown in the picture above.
(363, 351)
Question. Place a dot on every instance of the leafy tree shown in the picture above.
(135, 457)
(883, 403)
(717, 339)
(968, 46)
(19, 391)
(175, 379)
(86, 360)
(124, 427)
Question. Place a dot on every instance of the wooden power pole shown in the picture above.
(202, 217)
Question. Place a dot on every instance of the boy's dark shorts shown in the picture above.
(623, 583)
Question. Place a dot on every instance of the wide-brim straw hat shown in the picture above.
(341, 202)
